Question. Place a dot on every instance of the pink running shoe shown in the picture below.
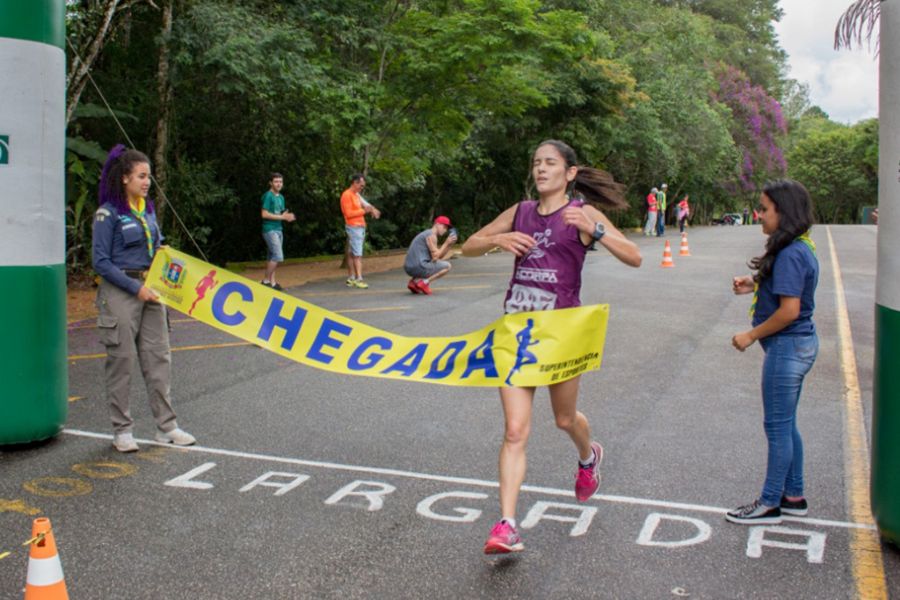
(503, 539)
(413, 286)
(587, 480)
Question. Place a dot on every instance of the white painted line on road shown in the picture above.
(461, 480)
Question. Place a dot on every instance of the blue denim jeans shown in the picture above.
(788, 359)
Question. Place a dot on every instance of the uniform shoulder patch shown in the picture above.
(102, 213)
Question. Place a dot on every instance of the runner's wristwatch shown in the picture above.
(599, 231)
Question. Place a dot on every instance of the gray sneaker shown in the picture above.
(124, 442)
(755, 513)
(177, 436)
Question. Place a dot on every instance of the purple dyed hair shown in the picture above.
(119, 163)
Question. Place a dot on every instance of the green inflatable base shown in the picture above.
(885, 486)
(33, 403)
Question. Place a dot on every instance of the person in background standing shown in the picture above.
(661, 207)
(274, 215)
(683, 211)
(355, 212)
(652, 216)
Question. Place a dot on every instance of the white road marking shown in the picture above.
(483, 483)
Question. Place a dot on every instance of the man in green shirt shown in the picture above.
(273, 215)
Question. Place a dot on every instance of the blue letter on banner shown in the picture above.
(353, 363)
(323, 338)
(414, 357)
(485, 361)
(453, 348)
(274, 319)
(218, 303)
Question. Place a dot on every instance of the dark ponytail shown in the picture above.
(795, 217)
(119, 163)
(593, 185)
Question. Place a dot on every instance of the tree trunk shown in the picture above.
(166, 97)
(78, 72)
(368, 154)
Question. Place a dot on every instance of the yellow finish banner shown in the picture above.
(522, 349)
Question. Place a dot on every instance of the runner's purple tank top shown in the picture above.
(549, 276)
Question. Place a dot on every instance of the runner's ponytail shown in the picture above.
(593, 185)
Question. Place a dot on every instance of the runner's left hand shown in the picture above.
(575, 216)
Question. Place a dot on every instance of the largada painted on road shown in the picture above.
(523, 349)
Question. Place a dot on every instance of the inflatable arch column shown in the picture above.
(885, 486)
(33, 376)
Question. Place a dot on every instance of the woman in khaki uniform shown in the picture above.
(131, 323)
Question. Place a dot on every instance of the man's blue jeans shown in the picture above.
(788, 359)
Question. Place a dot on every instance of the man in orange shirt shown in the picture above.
(355, 210)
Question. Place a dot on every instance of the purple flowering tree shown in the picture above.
(757, 127)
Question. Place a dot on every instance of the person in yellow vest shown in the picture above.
(661, 208)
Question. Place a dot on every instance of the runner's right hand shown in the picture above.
(515, 241)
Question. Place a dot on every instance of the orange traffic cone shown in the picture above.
(667, 256)
(685, 251)
(45, 576)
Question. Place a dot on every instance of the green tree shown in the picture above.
(839, 167)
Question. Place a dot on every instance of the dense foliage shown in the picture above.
(439, 103)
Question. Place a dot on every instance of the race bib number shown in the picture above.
(524, 299)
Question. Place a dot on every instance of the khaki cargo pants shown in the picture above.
(131, 329)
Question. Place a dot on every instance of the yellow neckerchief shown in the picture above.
(140, 213)
(801, 238)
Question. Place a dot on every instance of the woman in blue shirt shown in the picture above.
(783, 290)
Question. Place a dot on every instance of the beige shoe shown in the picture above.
(177, 436)
(124, 442)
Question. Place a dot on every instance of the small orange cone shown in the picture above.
(685, 251)
(45, 579)
(667, 256)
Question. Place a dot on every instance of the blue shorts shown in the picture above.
(274, 240)
(356, 235)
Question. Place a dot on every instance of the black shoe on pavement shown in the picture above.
(277, 287)
(795, 508)
(754, 514)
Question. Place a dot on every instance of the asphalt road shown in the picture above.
(308, 484)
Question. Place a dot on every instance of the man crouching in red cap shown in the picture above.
(423, 259)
